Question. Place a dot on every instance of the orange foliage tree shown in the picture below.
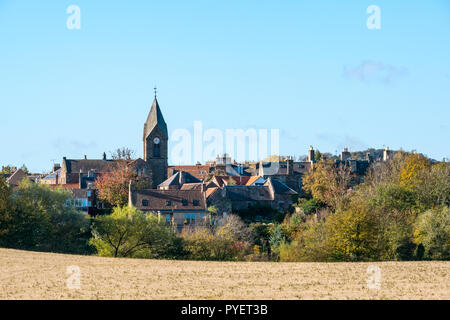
(113, 185)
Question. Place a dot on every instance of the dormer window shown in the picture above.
(195, 202)
(168, 203)
(145, 203)
(184, 202)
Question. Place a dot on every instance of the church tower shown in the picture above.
(155, 143)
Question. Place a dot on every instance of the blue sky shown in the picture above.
(309, 68)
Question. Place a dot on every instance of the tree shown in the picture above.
(434, 190)
(309, 206)
(433, 232)
(5, 206)
(123, 153)
(227, 240)
(24, 169)
(7, 169)
(413, 171)
(128, 232)
(236, 228)
(113, 185)
(328, 183)
(40, 219)
(353, 233)
(317, 155)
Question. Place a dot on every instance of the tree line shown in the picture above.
(400, 212)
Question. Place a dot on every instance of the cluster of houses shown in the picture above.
(183, 194)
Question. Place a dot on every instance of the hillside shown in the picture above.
(34, 275)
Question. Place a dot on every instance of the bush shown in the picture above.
(310, 206)
(228, 240)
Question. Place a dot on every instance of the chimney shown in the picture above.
(345, 155)
(104, 156)
(311, 154)
(56, 166)
(85, 157)
(182, 178)
(290, 166)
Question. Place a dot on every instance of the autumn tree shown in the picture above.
(113, 185)
(328, 183)
(413, 171)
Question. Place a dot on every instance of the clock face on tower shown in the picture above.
(156, 140)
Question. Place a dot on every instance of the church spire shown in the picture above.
(155, 119)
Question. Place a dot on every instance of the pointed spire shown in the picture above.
(155, 119)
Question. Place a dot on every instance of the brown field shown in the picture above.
(34, 275)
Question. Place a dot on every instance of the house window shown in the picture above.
(145, 203)
(168, 219)
(195, 202)
(184, 202)
(189, 218)
(168, 203)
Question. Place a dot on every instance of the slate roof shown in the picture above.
(84, 165)
(155, 119)
(191, 186)
(157, 200)
(248, 193)
(16, 177)
(279, 187)
(177, 178)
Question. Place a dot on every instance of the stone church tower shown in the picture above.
(155, 144)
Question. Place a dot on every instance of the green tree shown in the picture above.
(5, 207)
(7, 169)
(128, 232)
(433, 232)
(40, 219)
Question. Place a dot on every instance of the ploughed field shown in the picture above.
(35, 275)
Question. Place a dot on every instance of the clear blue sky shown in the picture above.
(310, 68)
